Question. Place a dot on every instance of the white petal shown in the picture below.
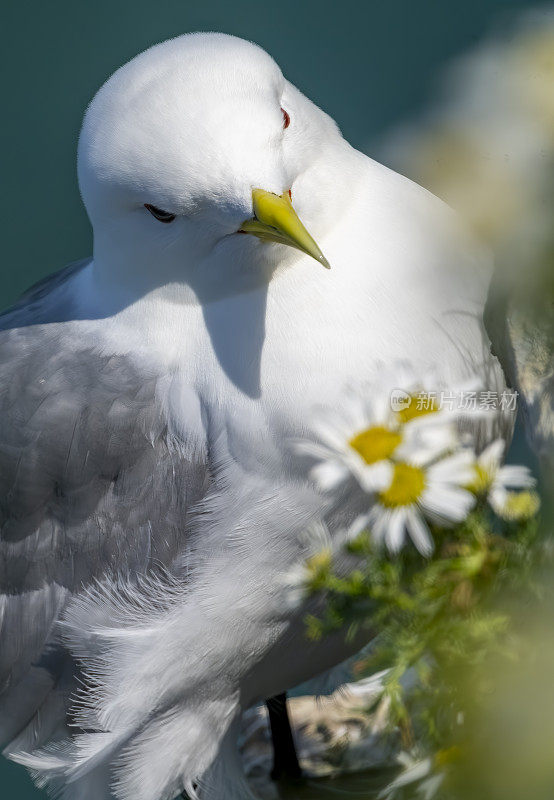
(457, 468)
(492, 455)
(295, 576)
(294, 584)
(378, 523)
(360, 412)
(447, 503)
(334, 433)
(396, 530)
(515, 476)
(380, 408)
(329, 474)
(419, 532)
(498, 497)
(375, 477)
(424, 443)
(361, 523)
(335, 420)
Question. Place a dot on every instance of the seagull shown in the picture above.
(248, 263)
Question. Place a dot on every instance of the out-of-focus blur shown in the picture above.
(511, 756)
(487, 148)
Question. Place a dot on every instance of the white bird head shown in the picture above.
(198, 152)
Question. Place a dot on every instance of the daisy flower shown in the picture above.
(305, 574)
(425, 400)
(520, 506)
(357, 441)
(366, 435)
(405, 452)
(421, 491)
(493, 479)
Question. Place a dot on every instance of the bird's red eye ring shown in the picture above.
(286, 118)
(159, 213)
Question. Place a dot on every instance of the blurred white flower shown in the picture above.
(493, 479)
(300, 578)
(357, 441)
(318, 548)
(404, 450)
(384, 424)
(419, 493)
(520, 506)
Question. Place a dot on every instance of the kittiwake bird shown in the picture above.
(150, 501)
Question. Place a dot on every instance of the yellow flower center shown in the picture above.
(481, 482)
(448, 756)
(408, 483)
(319, 562)
(376, 443)
(520, 506)
(419, 406)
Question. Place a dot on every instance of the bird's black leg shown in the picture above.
(285, 760)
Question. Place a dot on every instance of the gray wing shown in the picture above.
(43, 301)
(91, 482)
(521, 326)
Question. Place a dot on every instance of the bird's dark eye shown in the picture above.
(160, 214)
(286, 118)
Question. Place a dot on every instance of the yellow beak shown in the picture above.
(276, 221)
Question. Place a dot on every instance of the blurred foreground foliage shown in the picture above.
(466, 639)
(469, 635)
(486, 146)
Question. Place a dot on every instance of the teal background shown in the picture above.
(369, 64)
